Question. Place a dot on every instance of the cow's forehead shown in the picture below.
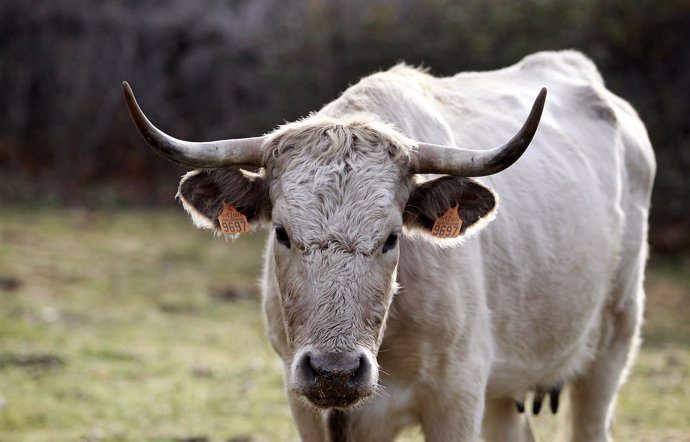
(339, 186)
(350, 206)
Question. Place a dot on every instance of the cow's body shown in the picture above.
(549, 293)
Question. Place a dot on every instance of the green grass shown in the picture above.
(117, 332)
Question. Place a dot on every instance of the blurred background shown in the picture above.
(228, 68)
(118, 321)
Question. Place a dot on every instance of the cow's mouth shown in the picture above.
(326, 395)
(339, 402)
(334, 380)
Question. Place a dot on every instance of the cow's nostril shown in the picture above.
(362, 371)
(309, 372)
(336, 367)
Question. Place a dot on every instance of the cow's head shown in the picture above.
(338, 195)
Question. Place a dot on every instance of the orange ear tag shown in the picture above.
(448, 225)
(232, 222)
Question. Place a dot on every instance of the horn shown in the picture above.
(240, 152)
(451, 160)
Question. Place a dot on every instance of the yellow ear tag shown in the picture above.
(448, 225)
(232, 222)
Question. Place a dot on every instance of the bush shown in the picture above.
(225, 68)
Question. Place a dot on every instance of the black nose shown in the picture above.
(336, 367)
(330, 379)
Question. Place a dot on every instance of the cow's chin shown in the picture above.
(335, 402)
(334, 379)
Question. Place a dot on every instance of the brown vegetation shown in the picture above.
(224, 68)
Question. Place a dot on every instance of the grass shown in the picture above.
(130, 326)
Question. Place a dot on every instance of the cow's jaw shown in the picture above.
(334, 320)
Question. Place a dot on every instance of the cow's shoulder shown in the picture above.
(567, 63)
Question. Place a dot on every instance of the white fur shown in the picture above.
(550, 292)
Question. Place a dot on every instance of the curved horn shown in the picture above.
(435, 158)
(223, 153)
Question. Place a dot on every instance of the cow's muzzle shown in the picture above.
(334, 379)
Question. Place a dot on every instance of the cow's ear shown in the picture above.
(431, 200)
(204, 193)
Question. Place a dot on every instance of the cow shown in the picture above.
(395, 290)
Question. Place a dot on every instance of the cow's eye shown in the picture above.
(390, 243)
(282, 236)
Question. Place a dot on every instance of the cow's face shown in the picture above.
(337, 198)
(338, 195)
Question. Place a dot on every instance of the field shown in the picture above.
(133, 326)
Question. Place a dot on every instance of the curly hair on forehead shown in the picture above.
(326, 139)
(337, 181)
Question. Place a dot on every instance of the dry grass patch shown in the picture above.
(131, 325)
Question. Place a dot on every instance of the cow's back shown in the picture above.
(547, 265)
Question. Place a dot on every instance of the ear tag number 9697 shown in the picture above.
(232, 222)
(449, 224)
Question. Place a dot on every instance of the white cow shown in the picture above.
(384, 316)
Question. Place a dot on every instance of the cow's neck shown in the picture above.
(336, 422)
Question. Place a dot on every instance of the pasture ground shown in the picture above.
(133, 326)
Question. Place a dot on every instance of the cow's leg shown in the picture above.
(309, 421)
(455, 417)
(366, 428)
(382, 417)
(592, 395)
(454, 412)
(503, 423)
